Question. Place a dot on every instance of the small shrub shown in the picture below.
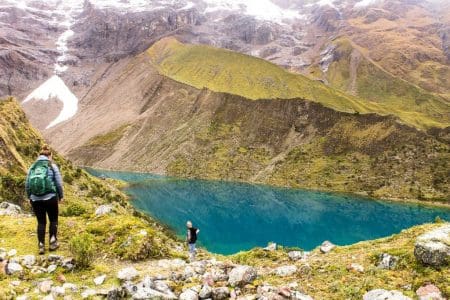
(68, 178)
(74, 210)
(82, 248)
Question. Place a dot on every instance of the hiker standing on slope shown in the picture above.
(44, 187)
(191, 239)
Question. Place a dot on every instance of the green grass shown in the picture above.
(231, 72)
(411, 103)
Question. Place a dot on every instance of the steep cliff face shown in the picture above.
(143, 121)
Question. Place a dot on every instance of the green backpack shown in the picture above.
(39, 183)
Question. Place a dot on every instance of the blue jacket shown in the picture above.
(55, 175)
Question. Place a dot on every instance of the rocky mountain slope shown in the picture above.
(156, 101)
(121, 250)
(206, 134)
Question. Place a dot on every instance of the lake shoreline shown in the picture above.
(437, 204)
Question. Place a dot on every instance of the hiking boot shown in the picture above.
(41, 248)
(53, 244)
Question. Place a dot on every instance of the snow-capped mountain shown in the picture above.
(73, 43)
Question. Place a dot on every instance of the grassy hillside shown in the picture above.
(351, 71)
(226, 71)
(20, 144)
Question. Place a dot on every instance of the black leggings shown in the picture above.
(41, 210)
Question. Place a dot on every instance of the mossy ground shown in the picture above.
(327, 276)
(124, 235)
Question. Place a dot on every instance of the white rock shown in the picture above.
(22, 297)
(297, 255)
(58, 291)
(356, 267)
(127, 274)
(70, 286)
(433, 247)
(241, 275)
(205, 292)
(286, 270)
(45, 286)
(162, 286)
(12, 252)
(189, 294)
(380, 294)
(103, 210)
(271, 247)
(52, 268)
(387, 261)
(327, 246)
(13, 268)
(28, 260)
(300, 296)
(9, 209)
(88, 293)
(99, 280)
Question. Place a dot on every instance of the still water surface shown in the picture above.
(237, 216)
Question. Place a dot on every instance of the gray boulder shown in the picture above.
(220, 293)
(241, 275)
(380, 294)
(9, 209)
(189, 294)
(205, 292)
(433, 247)
(13, 268)
(28, 260)
(327, 246)
(284, 271)
(103, 210)
(387, 261)
(298, 255)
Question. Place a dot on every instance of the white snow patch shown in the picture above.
(264, 10)
(55, 87)
(365, 3)
(327, 2)
(188, 5)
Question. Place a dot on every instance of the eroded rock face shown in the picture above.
(433, 247)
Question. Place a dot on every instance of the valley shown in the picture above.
(309, 140)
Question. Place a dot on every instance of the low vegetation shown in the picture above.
(221, 71)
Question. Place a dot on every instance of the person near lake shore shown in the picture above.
(44, 188)
(191, 239)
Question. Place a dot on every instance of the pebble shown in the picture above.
(45, 286)
(99, 280)
(284, 271)
(429, 292)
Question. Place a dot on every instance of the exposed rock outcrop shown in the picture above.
(433, 247)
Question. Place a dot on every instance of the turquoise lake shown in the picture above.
(238, 216)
